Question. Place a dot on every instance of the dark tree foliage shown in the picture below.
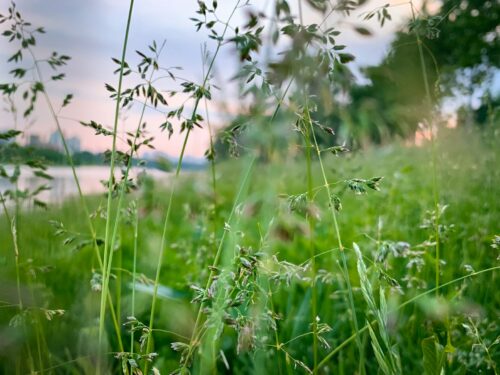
(461, 50)
(468, 34)
(395, 100)
(12, 153)
(488, 112)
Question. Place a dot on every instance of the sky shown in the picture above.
(91, 32)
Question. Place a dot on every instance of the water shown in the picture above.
(63, 184)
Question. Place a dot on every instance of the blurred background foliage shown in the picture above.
(461, 47)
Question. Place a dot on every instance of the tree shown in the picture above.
(461, 53)
(467, 36)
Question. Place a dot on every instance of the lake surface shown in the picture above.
(63, 184)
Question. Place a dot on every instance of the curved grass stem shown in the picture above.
(196, 336)
(134, 272)
(435, 191)
(339, 238)
(108, 250)
(69, 158)
(310, 220)
(173, 187)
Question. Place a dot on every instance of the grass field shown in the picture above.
(281, 302)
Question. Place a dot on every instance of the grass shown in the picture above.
(274, 293)
(380, 261)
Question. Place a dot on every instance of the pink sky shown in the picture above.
(91, 32)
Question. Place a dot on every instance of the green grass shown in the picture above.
(53, 276)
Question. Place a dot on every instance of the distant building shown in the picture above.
(74, 144)
(56, 142)
(34, 141)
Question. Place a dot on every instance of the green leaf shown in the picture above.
(433, 356)
(379, 353)
(346, 58)
(67, 99)
(15, 175)
(42, 174)
(58, 77)
(366, 287)
(10, 134)
(109, 87)
(362, 31)
(384, 314)
(40, 204)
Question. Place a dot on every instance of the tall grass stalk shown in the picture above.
(310, 220)
(211, 157)
(174, 184)
(207, 339)
(435, 191)
(13, 231)
(196, 334)
(388, 360)
(108, 250)
(212, 162)
(83, 202)
(122, 188)
(92, 230)
(339, 239)
(134, 270)
(269, 295)
(435, 187)
(39, 334)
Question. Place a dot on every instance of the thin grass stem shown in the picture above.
(78, 185)
(435, 191)
(195, 337)
(134, 272)
(173, 188)
(339, 238)
(108, 250)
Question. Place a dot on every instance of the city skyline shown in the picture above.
(53, 141)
